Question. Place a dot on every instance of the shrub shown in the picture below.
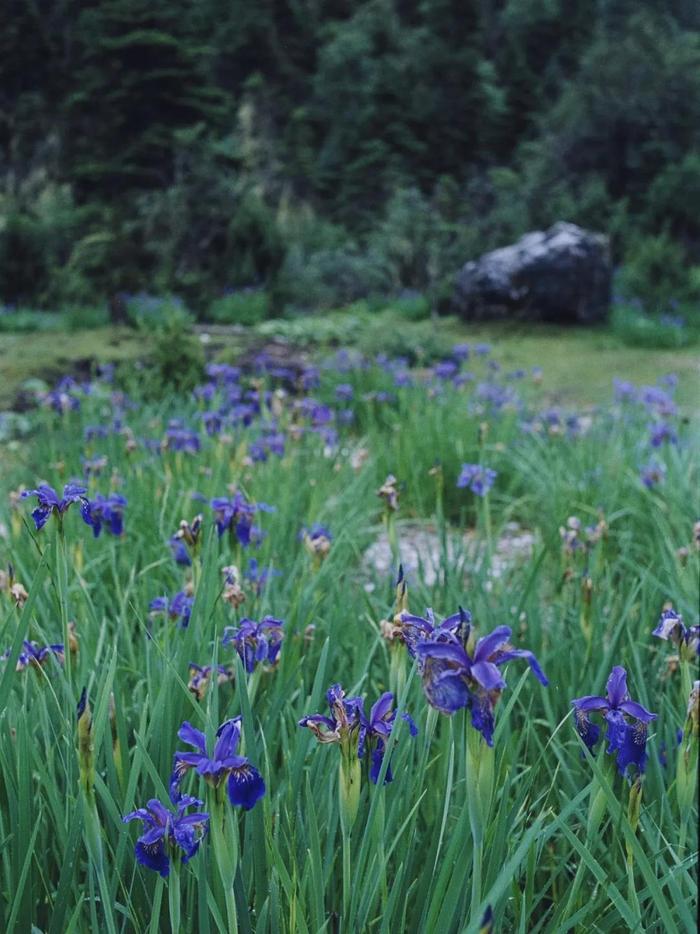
(246, 306)
(413, 306)
(329, 278)
(151, 311)
(177, 361)
(24, 263)
(655, 270)
(667, 330)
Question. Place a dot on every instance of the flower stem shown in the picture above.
(174, 894)
(596, 812)
(225, 849)
(488, 532)
(347, 880)
(392, 537)
(479, 788)
(62, 587)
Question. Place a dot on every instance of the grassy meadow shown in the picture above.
(514, 825)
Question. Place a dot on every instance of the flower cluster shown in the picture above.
(476, 478)
(35, 656)
(51, 504)
(107, 511)
(350, 726)
(178, 607)
(235, 515)
(256, 642)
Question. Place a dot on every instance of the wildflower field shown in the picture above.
(221, 711)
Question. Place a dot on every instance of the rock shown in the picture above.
(560, 275)
(422, 553)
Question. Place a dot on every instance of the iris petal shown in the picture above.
(617, 686)
(245, 786)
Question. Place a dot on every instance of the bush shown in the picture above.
(413, 306)
(247, 306)
(655, 271)
(154, 311)
(24, 261)
(420, 342)
(177, 361)
(330, 278)
(668, 330)
(27, 321)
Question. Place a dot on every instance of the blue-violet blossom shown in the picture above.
(245, 785)
(167, 832)
(627, 740)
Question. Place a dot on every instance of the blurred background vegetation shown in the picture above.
(238, 161)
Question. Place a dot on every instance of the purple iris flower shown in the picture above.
(259, 576)
(446, 369)
(460, 351)
(107, 510)
(92, 466)
(96, 431)
(624, 390)
(496, 395)
(672, 629)
(181, 439)
(402, 378)
(212, 422)
(167, 832)
(415, 629)
(348, 720)
(653, 473)
(374, 732)
(315, 533)
(61, 401)
(268, 444)
(313, 410)
(344, 392)
(179, 551)
(453, 678)
(478, 479)
(256, 642)
(35, 655)
(657, 400)
(51, 504)
(236, 515)
(223, 372)
(245, 784)
(627, 740)
(201, 676)
(343, 722)
(310, 378)
(662, 433)
(178, 607)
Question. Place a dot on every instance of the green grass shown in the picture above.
(531, 827)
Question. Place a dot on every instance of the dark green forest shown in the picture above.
(319, 151)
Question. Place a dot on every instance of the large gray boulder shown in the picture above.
(561, 275)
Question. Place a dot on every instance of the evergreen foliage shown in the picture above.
(194, 147)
